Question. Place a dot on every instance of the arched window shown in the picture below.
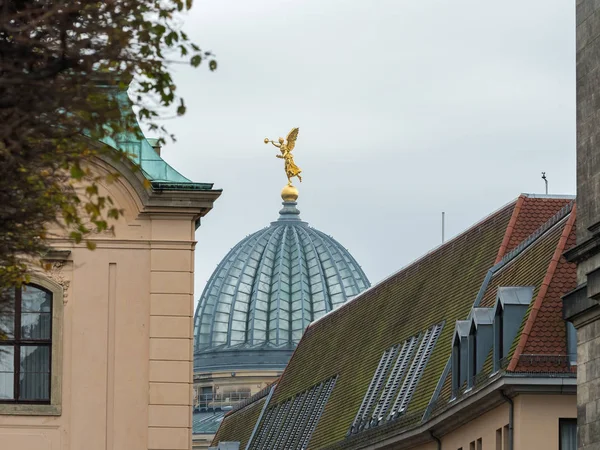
(26, 346)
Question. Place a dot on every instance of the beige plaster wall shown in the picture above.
(536, 419)
(483, 427)
(127, 340)
(535, 425)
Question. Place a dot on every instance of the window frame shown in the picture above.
(561, 422)
(472, 356)
(54, 406)
(18, 343)
(498, 337)
(456, 372)
(571, 333)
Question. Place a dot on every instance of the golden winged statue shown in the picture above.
(286, 147)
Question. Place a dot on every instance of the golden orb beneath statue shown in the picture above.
(289, 193)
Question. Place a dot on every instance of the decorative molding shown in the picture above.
(56, 273)
(56, 255)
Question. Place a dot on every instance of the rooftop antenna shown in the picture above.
(443, 217)
(545, 181)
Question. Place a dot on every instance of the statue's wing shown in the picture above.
(291, 139)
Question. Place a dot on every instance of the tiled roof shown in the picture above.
(441, 287)
(535, 211)
(545, 330)
(526, 269)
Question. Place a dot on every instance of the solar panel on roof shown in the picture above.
(307, 407)
(296, 403)
(416, 370)
(391, 387)
(291, 429)
(374, 387)
(290, 424)
(316, 415)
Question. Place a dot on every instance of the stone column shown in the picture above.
(581, 306)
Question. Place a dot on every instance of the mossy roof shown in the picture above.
(238, 425)
(442, 286)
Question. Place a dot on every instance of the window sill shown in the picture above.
(30, 410)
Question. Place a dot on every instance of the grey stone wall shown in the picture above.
(588, 116)
(588, 386)
(581, 305)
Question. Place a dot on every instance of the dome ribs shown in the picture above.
(239, 294)
(323, 280)
(211, 299)
(304, 297)
(228, 283)
(274, 316)
(251, 321)
(329, 248)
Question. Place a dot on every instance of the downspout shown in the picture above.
(511, 410)
(436, 439)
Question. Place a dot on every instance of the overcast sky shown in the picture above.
(405, 108)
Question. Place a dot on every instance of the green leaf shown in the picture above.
(76, 172)
(196, 60)
(212, 65)
(181, 108)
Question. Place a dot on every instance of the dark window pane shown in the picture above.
(34, 377)
(35, 300)
(7, 315)
(572, 343)
(7, 372)
(568, 434)
(35, 325)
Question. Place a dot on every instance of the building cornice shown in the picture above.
(584, 250)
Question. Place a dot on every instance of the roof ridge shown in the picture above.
(260, 394)
(550, 196)
(510, 228)
(414, 262)
(485, 283)
(560, 215)
(560, 247)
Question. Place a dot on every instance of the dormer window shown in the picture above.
(456, 375)
(511, 305)
(498, 337)
(459, 361)
(472, 362)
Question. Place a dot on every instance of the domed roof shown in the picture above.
(266, 291)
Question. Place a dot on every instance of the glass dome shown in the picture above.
(266, 291)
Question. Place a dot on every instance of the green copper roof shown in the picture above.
(142, 152)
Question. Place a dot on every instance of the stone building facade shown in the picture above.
(581, 306)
